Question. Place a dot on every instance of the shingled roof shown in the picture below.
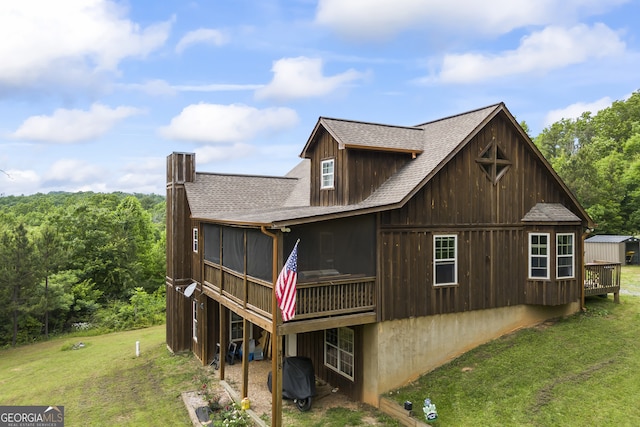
(280, 201)
(211, 193)
(352, 134)
(550, 212)
(608, 238)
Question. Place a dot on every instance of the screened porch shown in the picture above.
(336, 268)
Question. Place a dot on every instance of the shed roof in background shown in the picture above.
(606, 238)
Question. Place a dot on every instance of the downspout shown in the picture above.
(276, 363)
(585, 233)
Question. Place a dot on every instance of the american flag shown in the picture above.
(286, 285)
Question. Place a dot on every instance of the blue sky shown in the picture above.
(94, 94)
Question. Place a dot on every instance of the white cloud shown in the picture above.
(74, 171)
(542, 51)
(143, 175)
(70, 126)
(382, 19)
(160, 87)
(301, 77)
(68, 41)
(574, 111)
(217, 87)
(16, 182)
(226, 123)
(208, 154)
(154, 87)
(201, 35)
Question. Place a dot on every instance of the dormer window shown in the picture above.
(326, 173)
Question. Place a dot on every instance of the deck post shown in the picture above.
(245, 358)
(224, 315)
(276, 348)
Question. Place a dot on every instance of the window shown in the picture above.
(445, 259)
(326, 173)
(539, 255)
(338, 350)
(236, 326)
(195, 239)
(564, 254)
(195, 320)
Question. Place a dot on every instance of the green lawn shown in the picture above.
(104, 383)
(584, 370)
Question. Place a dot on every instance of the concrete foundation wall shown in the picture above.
(399, 351)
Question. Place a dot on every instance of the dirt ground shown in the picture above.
(260, 398)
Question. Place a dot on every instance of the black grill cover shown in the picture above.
(298, 378)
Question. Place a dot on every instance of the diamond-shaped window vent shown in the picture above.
(493, 162)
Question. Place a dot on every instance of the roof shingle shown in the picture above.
(604, 238)
(281, 200)
(550, 212)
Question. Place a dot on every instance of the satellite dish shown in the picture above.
(189, 291)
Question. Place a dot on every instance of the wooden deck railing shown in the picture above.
(333, 297)
(320, 298)
(601, 278)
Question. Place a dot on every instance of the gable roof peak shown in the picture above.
(492, 107)
(325, 119)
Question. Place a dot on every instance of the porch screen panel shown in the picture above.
(233, 248)
(211, 243)
(259, 255)
(334, 248)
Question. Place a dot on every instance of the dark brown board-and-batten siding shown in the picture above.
(487, 218)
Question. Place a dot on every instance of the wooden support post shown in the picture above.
(245, 358)
(204, 338)
(276, 347)
(276, 368)
(224, 314)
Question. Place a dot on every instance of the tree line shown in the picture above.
(598, 157)
(80, 260)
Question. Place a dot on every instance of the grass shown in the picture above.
(630, 279)
(583, 370)
(103, 383)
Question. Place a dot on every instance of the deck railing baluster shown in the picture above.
(314, 299)
(602, 278)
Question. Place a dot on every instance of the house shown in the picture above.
(611, 248)
(416, 244)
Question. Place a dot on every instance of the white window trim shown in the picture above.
(573, 256)
(195, 319)
(339, 351)
(454, 259)
(530, 256)
(323, 174)
(195, 239)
